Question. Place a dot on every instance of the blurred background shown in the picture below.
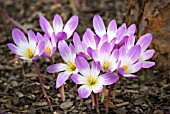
(150, 93)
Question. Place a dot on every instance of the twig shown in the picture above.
(108, 98)
(11, 19)
(119, 105)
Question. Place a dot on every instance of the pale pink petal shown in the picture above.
(84, 91)
(148, 64)
(57, 24)
(134, 68)
(112, 29)
(57, 68)
(108, 78)
(144, 41)
(13, 48)
(78, 79)
(19, 37)
(147, 55)
(70, 26)
(133, 54)
(97, 88)
(61, 78)
(99, 26)
(95, 69)
(32, 39)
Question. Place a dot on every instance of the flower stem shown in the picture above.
(96, 102)
(108, 98)
(115, 87)
(42, 86)
(103, 94)
(61, 89)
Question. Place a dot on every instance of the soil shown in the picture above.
(20, 91)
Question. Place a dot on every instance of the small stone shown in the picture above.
(70, 96)
(14, 83)
(66, 105)
(145, 106)
(19, 94)
(138, 102)
(158, 111)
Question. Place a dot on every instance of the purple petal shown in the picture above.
(108, 78)
(53, 51)
(88, 39)
(78, 79)
(148, 64)
(120, 33)
(40, 48)
(82, 66)
(57, 23)
(39, 37)
(61, 36)
(84, 91)
(45, 55)
(13, 48)
(105, 49)
(123, 41)
(133, 54)
(130, 76)
(32, 38)
(70, 26)
(102, 40)
(144, 41)
(35, 57)
(19, 37)
(131, 29)
(99, 26)
(61, 78)
(114, 56)
(130, 41)
(97, 39)
(90, 51)
(147, 54)
(122, 52)
(121, 71)
(97, 88)
(112, 29)
(77, 41)
(81, 54)
(135, 68)
(95, 69)
(56, 68)
(45, 26)
(65, 51)
(95, 56)
(72, 49)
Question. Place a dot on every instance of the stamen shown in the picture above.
(105, 65)
(47, 50)
(125, 67)
(29, 53)
(91, 80)
(72, 66)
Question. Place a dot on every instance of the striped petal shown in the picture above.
(65, 51)
(13, 48)
(146, 55)
(134, 68)
(99, 26)
(61, 78)
(19, 37)
(148, 64)
(82, 66)
(57, 68)
(112, 29)
(108, 78)
(133, 54)
(84, 91)
(144, 41)
(45, 26)
(57, 24)
(70, 26)
(78, 79)
(32, 39)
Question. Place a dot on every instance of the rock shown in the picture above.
(138, 102)
(14, 83)
(66, 105)
(157, 111)
(19, 94)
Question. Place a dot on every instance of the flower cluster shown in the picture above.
(100, 58)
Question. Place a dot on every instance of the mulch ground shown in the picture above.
(20, 90)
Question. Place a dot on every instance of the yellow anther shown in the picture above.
(29, 53)
(91, 80)
(105, 65)
(72, 66)
(125, 67)
(47, 50)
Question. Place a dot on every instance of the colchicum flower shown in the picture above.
(107, 59)
(129, 63)
(90, 79)
(50, 45)
(68, 54)
(29, 49)
(58, 31)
